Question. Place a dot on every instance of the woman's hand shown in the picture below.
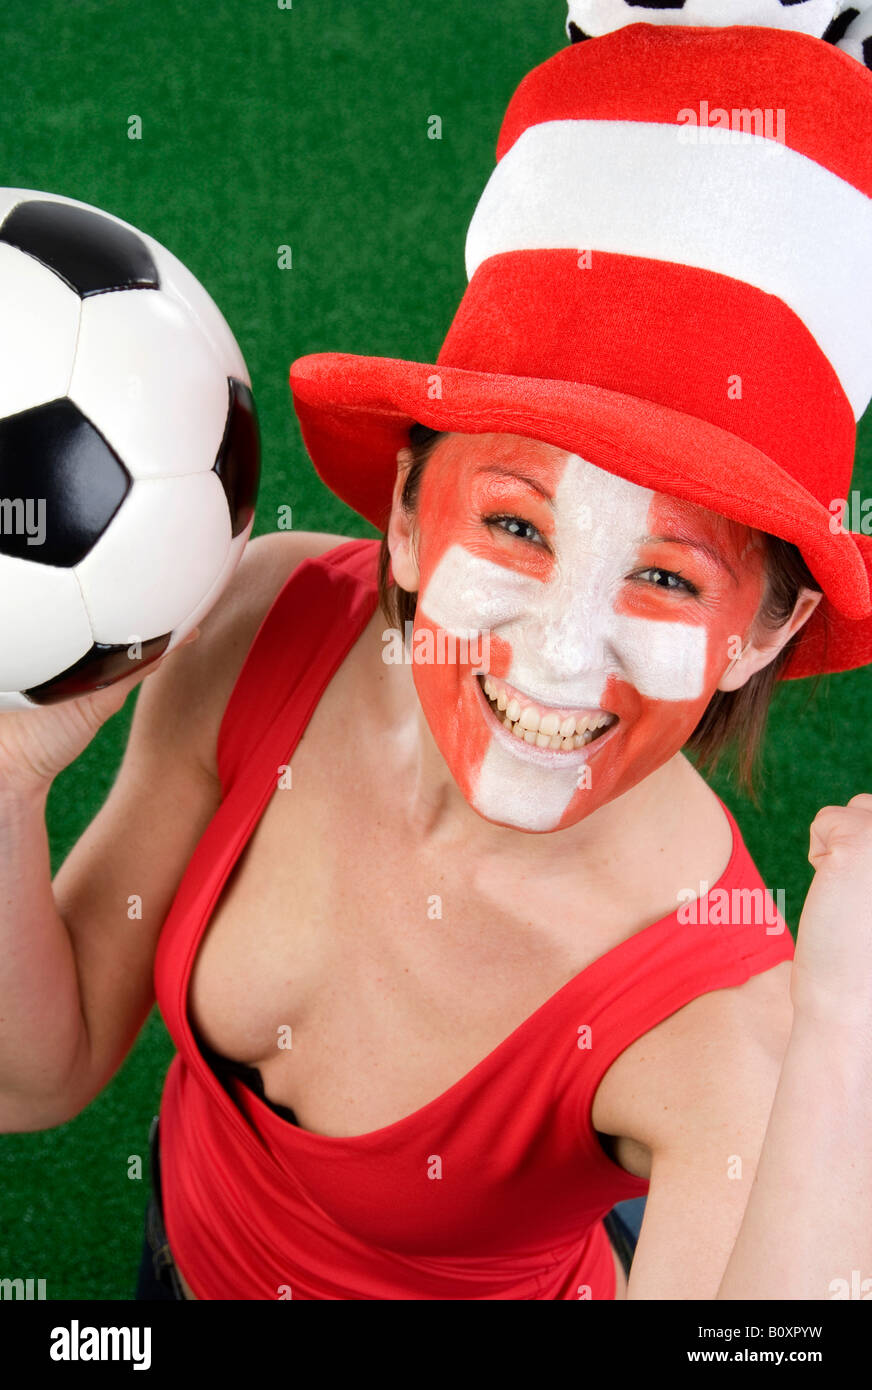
(831, 980)
(36, 745)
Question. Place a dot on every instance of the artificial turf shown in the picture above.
(307, 127)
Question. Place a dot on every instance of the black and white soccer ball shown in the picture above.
(827, 19)
(129, 449)
(852, 31)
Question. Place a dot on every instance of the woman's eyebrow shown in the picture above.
(694, 545)
(517, 478)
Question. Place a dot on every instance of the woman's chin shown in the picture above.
(521, 819)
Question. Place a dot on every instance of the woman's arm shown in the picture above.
(807, 1228)
(756, 1104)
(703, 1089)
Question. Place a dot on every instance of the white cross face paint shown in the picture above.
(545, 551)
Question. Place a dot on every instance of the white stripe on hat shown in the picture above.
(756, 210)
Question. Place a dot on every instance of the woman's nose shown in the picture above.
(576, 633)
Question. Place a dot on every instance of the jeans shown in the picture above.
(158, 1276)
(623, 1224)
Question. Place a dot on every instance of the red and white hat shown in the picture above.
(676, 291)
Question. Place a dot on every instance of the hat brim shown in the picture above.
(355, 412)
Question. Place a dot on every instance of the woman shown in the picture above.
(433, 993)
(596, 517)
(447, 1013)
(386, 1018)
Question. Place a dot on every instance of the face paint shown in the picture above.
(546, 555)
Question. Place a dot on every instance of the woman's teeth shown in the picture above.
(544, 728)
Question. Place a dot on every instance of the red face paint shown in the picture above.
(547, 557)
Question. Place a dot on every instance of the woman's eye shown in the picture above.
(668, 579)
(516, 526)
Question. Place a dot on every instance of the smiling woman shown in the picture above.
(577, 620)
(733, 720)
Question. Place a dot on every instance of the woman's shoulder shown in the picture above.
(229, 628)
(267, 562)
(710, 853)
(722, 1033)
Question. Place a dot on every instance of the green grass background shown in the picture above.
(307, 127)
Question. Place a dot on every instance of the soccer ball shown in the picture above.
(129, 449)
(857, 37)
(592, 18)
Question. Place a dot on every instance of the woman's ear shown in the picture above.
(401, 531)
(758, 652)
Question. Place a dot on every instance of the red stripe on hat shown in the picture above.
(645, 72)
(696, 341)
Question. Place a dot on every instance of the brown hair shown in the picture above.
(734, 720)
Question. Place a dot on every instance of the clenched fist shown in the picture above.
(832, 969)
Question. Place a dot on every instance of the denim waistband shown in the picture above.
(164, 1265)
(621, 1238)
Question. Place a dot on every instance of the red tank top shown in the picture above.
(497, 1188)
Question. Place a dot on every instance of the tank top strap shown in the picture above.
(312, 623)
(719, 937)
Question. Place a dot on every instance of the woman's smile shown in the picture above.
(540, 725)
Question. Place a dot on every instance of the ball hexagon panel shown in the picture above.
(151, 381)
(39, 367)
(55, 463)
(151, 534)
(44, 624)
